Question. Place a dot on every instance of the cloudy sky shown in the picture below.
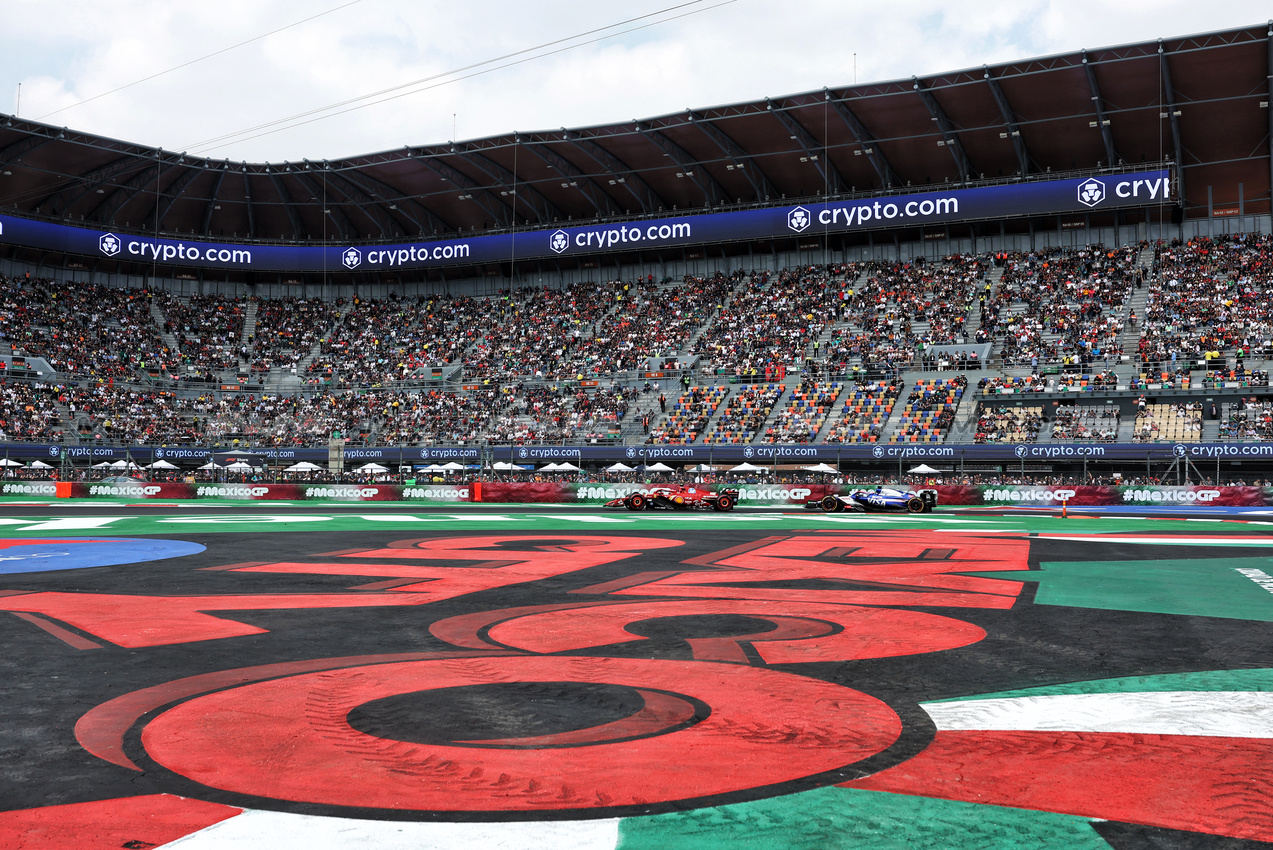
(274, 69)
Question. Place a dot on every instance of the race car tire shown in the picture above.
(832, 505)
(915, 505)
(636, 502)
(724, 503)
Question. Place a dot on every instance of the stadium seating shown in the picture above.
(866, 409)
(807, 408)
(1076, 423)
(688, 415)
(745, 413)
(1175, 423)
(929, 410)
(1000, 424)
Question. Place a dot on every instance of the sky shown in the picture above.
(219, 79)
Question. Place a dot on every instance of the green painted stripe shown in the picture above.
(1202, 587)
(842, 819)
(1202, 680)
(311, 516)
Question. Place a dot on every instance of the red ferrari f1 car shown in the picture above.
(677, 499)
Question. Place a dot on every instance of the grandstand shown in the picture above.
(1099, 319)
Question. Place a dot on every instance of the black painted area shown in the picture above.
(504, 710)
(48, 685)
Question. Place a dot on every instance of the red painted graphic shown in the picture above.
(1215, 785)
(293, 740)
(897, 569)
(131, 822)
(802, 632)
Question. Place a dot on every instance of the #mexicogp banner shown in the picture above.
(764, 495)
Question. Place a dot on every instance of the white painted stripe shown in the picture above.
(1218, 540)
(1234, 714)
(255, 829)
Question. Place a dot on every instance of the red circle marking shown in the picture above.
(291, 739)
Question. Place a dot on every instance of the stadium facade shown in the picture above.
(688, 192)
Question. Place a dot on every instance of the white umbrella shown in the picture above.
(7, 462)
(658, 467)
(922, 469)
(619, 467)
(374, 468)
(746, 467)
(452, 466)
(159, 464)
(303, 466)
(822, 467)
(39, 464)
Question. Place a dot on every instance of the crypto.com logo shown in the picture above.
(559, 241)
(799, 219)
(1179, 450)
(878, 451)
(352, 258)
(1021, 451)
(110, 244)
(1091, 192)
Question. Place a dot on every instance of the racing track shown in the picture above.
(334, 675)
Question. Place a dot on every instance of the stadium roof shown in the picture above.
(1200, 101)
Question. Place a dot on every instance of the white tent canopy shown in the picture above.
(239, 466)
(39, 464)
(124, 464)
(658, 467)
(7, 462)
(374, 468)
(505, 466)
(822, 467)
(452, 466)
(567, 466)
(549, 467)
(212, 464)
(746, 467)
(619, 467)
(159, 464)
(303, 466)
(922, 469)
(703, 467)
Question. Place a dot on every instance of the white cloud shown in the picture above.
(741, 51)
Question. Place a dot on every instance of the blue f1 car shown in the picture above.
(881, 500)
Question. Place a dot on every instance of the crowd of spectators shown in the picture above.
(1075, 423)
(287, 329)
(208, 329)
(806, 410)
(1002, 424)
(1211, 299)
(1248, 420)
(1062, 305)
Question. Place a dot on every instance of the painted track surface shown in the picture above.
(335, 675)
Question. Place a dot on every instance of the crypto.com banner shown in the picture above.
(1077, 195)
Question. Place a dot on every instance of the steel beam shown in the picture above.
(544, 209)
(743, 161)
(832, 180)
(1010, 125)
(500, 211)
(869, 144)
(1173, 115)
(344, 225)
(1098, 105)
(211, 206)
(247, 199)
(174, 192)
(299, 231)
(364, 185)
(575, 178)
(689, 165)
(949, 137)
(647, 199)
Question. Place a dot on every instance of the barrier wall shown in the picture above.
(765, 495)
